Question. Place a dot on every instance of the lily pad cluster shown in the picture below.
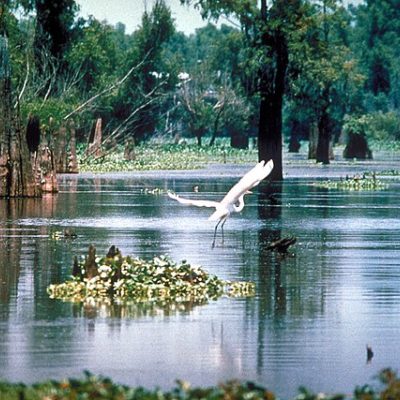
(128, 278)
(355, 183)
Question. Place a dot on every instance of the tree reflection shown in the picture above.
(93, 309)
(289, 285)
(12, 235)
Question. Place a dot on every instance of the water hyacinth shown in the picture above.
(356, 183)
(127, 278)
(165, 156)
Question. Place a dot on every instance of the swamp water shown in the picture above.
(313, 314)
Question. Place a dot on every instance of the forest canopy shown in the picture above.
(336, 70)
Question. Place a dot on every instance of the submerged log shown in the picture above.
(70, 233)
(282, 245)
(16, 173)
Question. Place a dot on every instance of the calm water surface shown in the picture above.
(314, 313)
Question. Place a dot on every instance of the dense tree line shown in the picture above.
(288, 67)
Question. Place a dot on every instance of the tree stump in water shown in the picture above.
(95, 139)
(42, 157)
(357, 147)
(294, 144)
(72, 166)
(313, 144)
(90, 263)
(65, 148)
(129, 152)
(45, 169)
(16, 174)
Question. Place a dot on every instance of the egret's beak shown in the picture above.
(248, 192)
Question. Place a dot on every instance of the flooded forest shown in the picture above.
(201, 208)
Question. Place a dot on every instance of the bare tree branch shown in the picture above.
(24, 85)
(113, 86)
(124, 125)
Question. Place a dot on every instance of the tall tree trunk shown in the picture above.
(16, 174)
(324, 136)
(216, 126)
(272, 90)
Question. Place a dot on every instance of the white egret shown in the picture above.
(233, 200)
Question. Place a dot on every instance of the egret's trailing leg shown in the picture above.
(215, 235)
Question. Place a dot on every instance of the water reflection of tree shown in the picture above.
(24, 247)
(11, 238)
(290, 286)
(27, 260)
(134, 310)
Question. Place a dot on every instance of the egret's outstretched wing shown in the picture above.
(248, 181)
(191, 202)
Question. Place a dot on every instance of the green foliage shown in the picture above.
(95, 56)
(52, 109)
(166, 157)
(376, 43)
(143, 95)
(355, 183)
(324, 72)
(54, 27)
(340, 62)
(377, 126)
(119, 278)
(101, 388)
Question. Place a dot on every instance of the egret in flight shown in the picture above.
(233, 200)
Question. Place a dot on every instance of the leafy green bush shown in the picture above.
(376, 126)
(53, 108)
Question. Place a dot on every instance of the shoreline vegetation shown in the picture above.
(95, 387)
(160, 155)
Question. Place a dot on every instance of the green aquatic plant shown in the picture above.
(390, 172)
(154, 191)
(117, 278)
(164, 157)
(355, 183)
(100, 388)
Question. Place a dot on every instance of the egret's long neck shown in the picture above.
(240, 206)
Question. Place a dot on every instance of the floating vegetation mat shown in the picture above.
(356, 183)
(118, 279)
(165, 157)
